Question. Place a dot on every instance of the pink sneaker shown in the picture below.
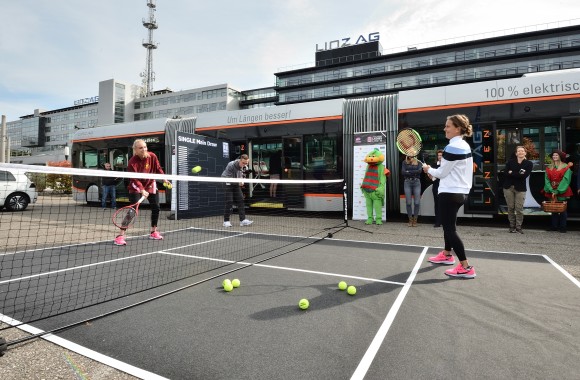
(120, 240)
(155, 236)
(459, 271)
(441, 258)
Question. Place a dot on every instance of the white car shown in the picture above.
(17, 191)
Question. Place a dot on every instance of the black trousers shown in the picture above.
(153, 203)
(435, 190)
(449, 205)
(234, 192)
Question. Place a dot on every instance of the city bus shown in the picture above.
(307, 137)
(540, 111)
(92, 147)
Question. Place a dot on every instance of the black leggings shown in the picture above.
(153, 203)
(449, 205)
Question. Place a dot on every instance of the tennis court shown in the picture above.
(407, 319)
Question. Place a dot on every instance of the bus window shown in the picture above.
(119, 158)
(102, 158)
(89, 159)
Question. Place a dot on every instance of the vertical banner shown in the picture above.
(196, 199)
(363, 144)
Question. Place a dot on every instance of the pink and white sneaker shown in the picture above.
(459, 271)
(442, 258)
(120, 240)
(155, 236)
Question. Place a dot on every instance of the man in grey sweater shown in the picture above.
(233, 190)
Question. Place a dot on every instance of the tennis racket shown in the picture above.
(409, 142)
(125, 217)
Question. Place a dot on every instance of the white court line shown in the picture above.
(107, 360)
(73, 268)
(285, 268)
(369, 356)
(105, 262)
(563, 271)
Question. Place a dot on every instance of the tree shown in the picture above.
(60, 183)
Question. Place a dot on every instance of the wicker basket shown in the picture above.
(554, 206)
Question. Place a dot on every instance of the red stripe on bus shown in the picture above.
(121, 136)
(323, 195)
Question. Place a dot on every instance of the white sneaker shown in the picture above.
(227, 224)
(245, 222)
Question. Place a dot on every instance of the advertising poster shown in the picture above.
(196, 199)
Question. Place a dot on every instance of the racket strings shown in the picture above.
(408, 143)
(125, 217)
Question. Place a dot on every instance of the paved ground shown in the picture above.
(42, 360)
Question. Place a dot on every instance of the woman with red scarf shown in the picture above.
(557, 185)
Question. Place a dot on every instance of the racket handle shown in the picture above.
(141, 200)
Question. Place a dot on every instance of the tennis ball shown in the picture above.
(196, 169)
(236, 283)
(228, 287)
(351, 290)
(224, 282)
(342, 285)
(168, 185)
(303, 304)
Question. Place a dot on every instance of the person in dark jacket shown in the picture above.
(412, 171)
(233, 190)
(517, 170)
(109, 187)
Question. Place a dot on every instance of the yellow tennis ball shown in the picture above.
(236, 283)
(224, 282)
(351, 290)
(342, 285)
(228, 287)
(303, 304)
(196, 169)
(168, 185)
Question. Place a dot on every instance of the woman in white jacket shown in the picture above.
(455, 179)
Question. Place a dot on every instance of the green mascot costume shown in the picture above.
(373, 186)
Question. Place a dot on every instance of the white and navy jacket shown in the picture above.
(456, 171)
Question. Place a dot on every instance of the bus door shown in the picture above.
(538, 138)
(119, 158)
(293, 168)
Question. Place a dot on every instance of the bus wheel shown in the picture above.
(92, 194)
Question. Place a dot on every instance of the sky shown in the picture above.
(55, 52)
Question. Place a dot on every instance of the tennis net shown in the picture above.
(58, 254)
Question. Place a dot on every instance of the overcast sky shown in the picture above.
(55, 52)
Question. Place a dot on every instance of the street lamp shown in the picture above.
(66, 152)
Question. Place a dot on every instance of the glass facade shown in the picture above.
(467, 62)
(33, 132)
(119, 103)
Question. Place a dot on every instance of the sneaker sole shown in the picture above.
(442, 262)
(462, 275)
(152, 238)
(119, 244)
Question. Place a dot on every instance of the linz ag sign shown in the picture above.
(80, 102)
(347, 41)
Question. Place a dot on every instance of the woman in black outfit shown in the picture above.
(516, 171)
